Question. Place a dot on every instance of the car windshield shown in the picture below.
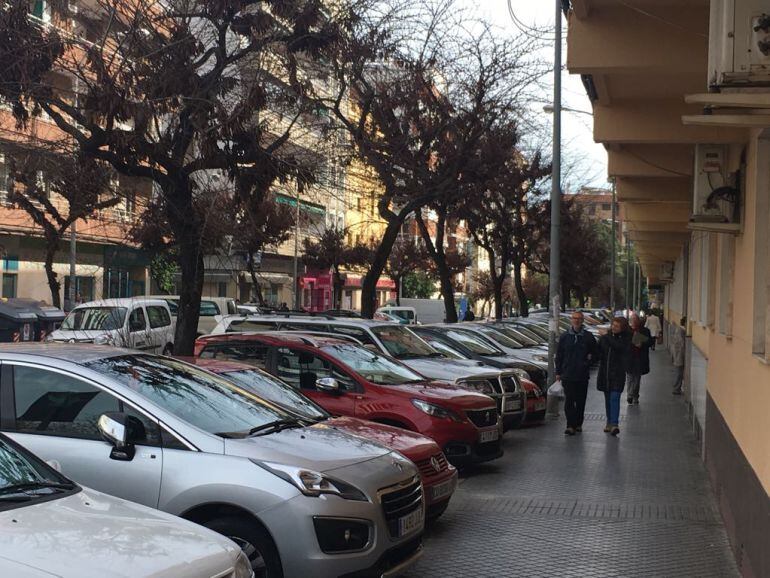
(402, 343)
(196, 396)
(273, 389)
(515, 334)
(539, 330)
(371, 366)
(446, 350)
(94, 319)
(499, 337)
(476, 343)
(529, 334)
(19, 469)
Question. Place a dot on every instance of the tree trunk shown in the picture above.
(52, 248)
(436, 252)
(377, 266)
(337, 285)
(397, 281)
(521, 294)
(497, 287)
(191, 288)
(255, 281)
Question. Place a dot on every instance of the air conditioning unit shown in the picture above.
(739, 44)
(716, 195)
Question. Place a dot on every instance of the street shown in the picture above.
(589, 505)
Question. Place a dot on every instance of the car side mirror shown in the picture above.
(54, 464)
(328, 385)
(119, 429)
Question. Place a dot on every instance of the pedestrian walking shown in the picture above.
(614, 351)
(576, 349)
(639, 358)
(677, 354)
(653, 326)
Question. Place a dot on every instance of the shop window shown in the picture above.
(222, 289)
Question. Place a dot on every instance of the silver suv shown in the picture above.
(300, 500)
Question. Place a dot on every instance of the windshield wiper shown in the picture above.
(27, 486)
(274, 426)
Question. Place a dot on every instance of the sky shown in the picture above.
(577, 129)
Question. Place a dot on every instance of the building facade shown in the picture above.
(681, 102)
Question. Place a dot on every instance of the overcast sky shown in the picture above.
(577, 129)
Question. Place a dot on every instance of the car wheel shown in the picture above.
(255, 542)
(168, 350)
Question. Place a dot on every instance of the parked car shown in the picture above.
(347, 379)
(403, 344)
(133, 322)
(51, 526)
(439, 477)
(212, 309)
(405, 315)
(508, 345)
(452, 339)
(300, 500)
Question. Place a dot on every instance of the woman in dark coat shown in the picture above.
(615, 349)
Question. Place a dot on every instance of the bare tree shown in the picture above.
(56, 190)
(175, 93)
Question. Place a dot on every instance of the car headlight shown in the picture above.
(49, 338)
(104, 340)
(436, 410)
(480, 386)
(522, 373)
(243, 567)
(540, 357)
(312, 483)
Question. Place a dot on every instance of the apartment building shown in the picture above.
(681, 102)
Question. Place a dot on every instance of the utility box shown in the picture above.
(739, 44)
(715, 191)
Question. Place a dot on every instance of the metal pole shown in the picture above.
(629, 287)
(554, 268)
(73, 261)
(612, 264)
(295, 291)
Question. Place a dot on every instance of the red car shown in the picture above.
(439, 477)
(535, 402)
(347, 379)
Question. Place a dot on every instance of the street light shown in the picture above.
(549, 109)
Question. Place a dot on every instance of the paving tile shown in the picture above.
(589, 505)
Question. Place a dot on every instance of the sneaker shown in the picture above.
(607, 428)
(569, 431)
(615, 430)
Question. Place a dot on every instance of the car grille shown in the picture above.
(426, 466)
(400, 501)
(482, 417)
(487, 386)
(509, 384)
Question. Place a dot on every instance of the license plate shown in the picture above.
(512, 404)
(410, 522)
(489, 436)
(443, 489)
(539, 405)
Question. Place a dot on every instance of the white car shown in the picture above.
(52, 527)
(133, 322)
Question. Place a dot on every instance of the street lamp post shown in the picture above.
(612, 264)
(555, 261)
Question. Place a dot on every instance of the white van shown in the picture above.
(425, 310)
(405, 315)
(133, 322)
(212, 310)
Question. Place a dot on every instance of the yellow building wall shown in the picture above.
(738, 381)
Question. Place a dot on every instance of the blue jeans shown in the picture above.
(612, 405)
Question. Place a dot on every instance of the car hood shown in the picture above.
(412, 445)
(444, 369)
(321, 447)
(92, 535)
(444, 394)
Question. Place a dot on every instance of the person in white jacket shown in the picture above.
(652, 323)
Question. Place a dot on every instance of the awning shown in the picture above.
(303, 205)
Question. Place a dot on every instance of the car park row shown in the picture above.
(314, 445)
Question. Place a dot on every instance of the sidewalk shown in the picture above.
(590, 505)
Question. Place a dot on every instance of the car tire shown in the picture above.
(434, 512)
(254, 541)
(168, 351)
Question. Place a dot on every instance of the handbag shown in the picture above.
(556, 389)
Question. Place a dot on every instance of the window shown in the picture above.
(302, 369)
(222, 289)
(9, 285)
(137, 322)
(360, 334)
(158, 316)
(149, 433)
(95, 319)
(209, 309)
(238, 325)
(606, 206)
(51, 403)
(246, 352)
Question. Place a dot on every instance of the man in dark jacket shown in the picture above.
(576, 349)
(639, 357)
